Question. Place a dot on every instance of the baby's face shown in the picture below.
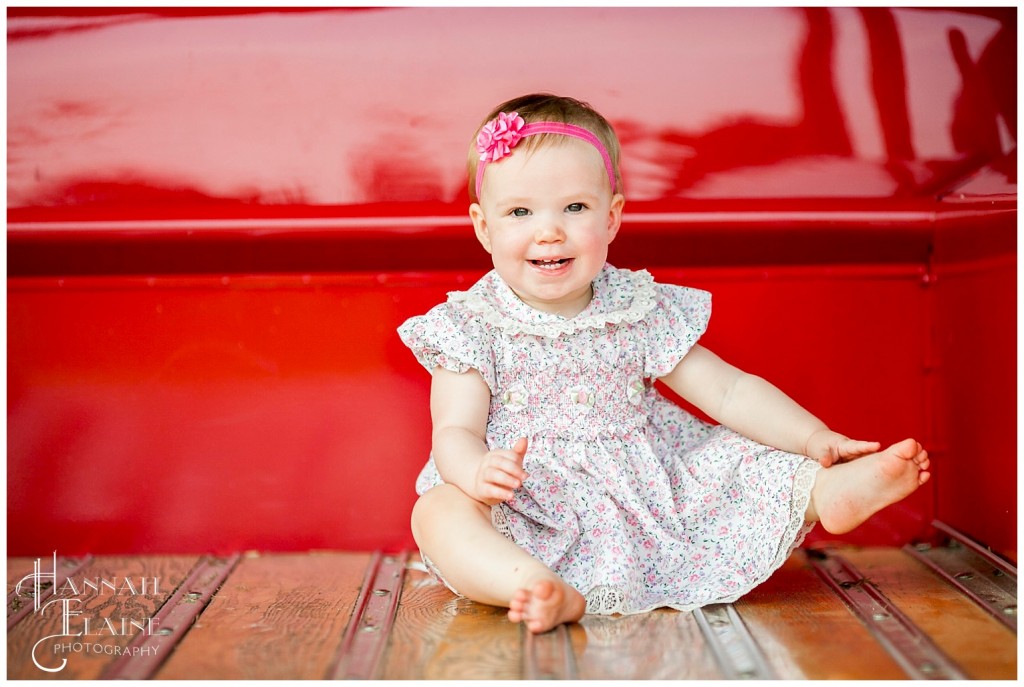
(547, 216)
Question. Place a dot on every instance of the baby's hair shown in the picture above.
(545, 107)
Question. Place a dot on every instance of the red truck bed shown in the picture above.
(217, 218)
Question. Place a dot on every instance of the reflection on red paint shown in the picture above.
(336, 108)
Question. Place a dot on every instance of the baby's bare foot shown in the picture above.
(546, 605)
(846, 495)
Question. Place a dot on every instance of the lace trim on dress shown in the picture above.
(500, 522)
(643, 301)
(605, 600)
(798, 528)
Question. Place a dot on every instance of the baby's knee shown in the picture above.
(430, 509)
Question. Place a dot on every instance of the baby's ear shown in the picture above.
(615, 215)
(476, 213)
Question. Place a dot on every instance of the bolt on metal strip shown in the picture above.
(977, 573)
(147, 652)
(373, 616)
(549, 656)
(908, 645)
(18, 605)
(735, 650)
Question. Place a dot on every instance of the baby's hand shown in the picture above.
(500, 473)
(828, 448)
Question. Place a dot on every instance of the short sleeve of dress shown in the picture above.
(449, 336)
(679, 318)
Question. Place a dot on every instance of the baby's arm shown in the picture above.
(757, 409)
(458, 407)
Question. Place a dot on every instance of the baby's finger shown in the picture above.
(509, 465)
(500, 475)
(496, 493)
(858, 448)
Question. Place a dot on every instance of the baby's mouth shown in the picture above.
(551, 264)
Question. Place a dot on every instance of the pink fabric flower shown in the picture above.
(498, 136)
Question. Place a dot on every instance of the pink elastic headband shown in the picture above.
(499, 136)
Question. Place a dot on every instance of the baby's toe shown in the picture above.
(543, 590)
(517, 606)
(908, 449)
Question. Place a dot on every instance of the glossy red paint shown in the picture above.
(229, 110)
(217, 218)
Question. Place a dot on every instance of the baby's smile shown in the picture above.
(552, 264)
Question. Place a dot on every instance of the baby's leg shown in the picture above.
(847, 494)
(455, 532)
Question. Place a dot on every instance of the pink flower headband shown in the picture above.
(499, 136)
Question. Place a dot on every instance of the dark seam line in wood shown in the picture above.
(147, 652)
(548, 656)
(18, 607)
(908, 645)
(981, 576)
(372, 618)
(735, 650)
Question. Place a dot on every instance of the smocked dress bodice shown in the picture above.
(577, 379)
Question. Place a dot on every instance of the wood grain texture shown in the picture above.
(982, 646)
(22, 602)
(119, 606)
(805, 631)
(285, 615)
(440, 636)
(17, 568)
(660, 645)
(278, 616)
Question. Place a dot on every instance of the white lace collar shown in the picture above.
(619, 296)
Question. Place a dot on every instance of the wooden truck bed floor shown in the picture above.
(376, 615)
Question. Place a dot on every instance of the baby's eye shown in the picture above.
(575, 207)
(519, 212)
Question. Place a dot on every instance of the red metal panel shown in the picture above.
(975, 414)
(283, 413)
(693, 233)
(199, 414)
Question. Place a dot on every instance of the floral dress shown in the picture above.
(632, 500)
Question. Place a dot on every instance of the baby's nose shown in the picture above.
(549, 232)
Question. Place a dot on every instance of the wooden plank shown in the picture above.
(661, 645)
(549, 655)
(17, 568)
(799, 623)
(278, 616)
(982, 646)
(440, 636)
(373, 615)
(909, 645)
(48, 573)
(737, 654)
(986, 578)
(176, 617)
(112, 614)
